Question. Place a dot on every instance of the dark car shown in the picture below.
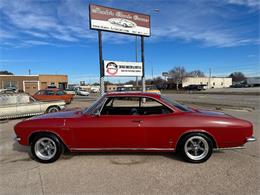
(195, 87)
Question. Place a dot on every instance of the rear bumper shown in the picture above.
(250, 139)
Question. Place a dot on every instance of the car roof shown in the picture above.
(138, 93)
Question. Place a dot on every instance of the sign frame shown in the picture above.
(150, 32)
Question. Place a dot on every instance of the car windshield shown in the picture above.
(175, 104)
(95, 105)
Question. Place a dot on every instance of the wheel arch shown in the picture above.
(44, 132)
(215, 144)
(57, 106)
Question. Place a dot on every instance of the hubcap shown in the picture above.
(196, 148)
(45, 148)
(53, 110)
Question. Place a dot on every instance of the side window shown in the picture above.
(49, 92)
(150, 106)
(60, 93)
(121, 106)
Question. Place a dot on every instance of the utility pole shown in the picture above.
(209, 84)
(142, 51)
(102, 85)
(136, 58)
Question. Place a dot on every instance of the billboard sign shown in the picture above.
(165, 74)
(116, 68)
(115, 20)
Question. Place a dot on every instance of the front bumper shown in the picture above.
(250, 139)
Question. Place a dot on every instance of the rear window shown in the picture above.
(175, 104)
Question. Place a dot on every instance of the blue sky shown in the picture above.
(53, 37)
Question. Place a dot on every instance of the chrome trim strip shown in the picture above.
(231, 148)
(97, 149)
(251, 139)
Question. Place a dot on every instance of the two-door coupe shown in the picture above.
(133, 122)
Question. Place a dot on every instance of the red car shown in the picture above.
(133, 122)
(53, 94)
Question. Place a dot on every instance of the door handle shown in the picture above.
(137, 121)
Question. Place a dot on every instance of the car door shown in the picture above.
(116, 127)
(29, 108)
(61, 95)
(158, 124)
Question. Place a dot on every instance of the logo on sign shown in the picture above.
(112, 68)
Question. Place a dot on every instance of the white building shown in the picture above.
(212, 82)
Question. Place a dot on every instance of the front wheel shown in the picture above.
(196, 147)
(46, 148)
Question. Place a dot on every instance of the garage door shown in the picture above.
(30, 87)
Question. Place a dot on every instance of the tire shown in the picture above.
(196, 147)
(53, 109)
(46, 148)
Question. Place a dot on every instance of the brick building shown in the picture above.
(32, 83)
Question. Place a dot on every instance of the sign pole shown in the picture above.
(102, 86)
(142, 51)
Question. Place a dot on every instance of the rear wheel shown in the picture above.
(53, 109)
(196, 147)
(46, 148)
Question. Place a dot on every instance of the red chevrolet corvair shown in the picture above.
(133, 122)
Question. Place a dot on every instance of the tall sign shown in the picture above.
(103, 18)
(115, 20)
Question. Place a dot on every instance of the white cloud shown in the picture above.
(249, 3)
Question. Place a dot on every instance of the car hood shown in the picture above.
(68, 113)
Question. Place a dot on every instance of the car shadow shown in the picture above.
(170, 155)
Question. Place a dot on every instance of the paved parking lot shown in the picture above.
(229, 171)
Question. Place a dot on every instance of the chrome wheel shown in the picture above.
(45, 148)
(53, 109)
(196, 148)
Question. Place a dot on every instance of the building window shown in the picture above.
(10, 84)
(52, 83)
(214, 83)
(222, 83)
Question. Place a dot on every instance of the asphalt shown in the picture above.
(226, 172)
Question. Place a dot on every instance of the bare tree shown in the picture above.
(5, 72)
(196, 73)
(237, 76)
(177, 74)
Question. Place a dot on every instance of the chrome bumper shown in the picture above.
(251, 139)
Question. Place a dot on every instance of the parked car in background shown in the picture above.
(152, 89)
(95, 89)
(53, 94)
(70, 91)
(133, 122)
(21, 105)
(8, 91)
(82, 92)
(195, 87)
